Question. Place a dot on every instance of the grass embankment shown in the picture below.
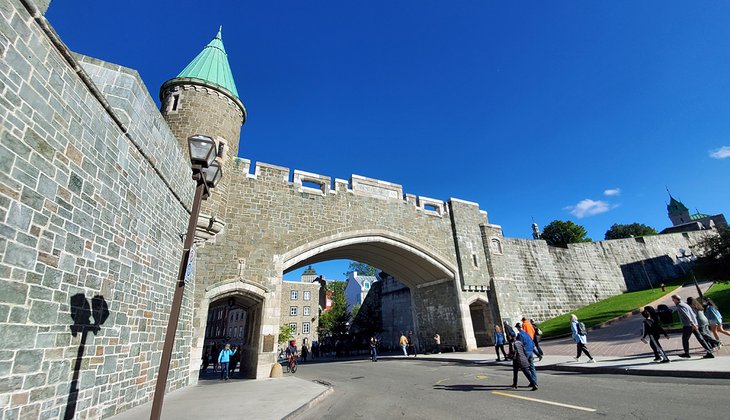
(720, 294)
(604, 310)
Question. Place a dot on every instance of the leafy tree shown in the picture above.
(627, 231)
(334, 321)
(286, 333)
(355, 310)
(361, 268)
(716, 258)
(562, 233)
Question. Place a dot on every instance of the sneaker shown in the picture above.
(665, 361)
(656, 359)
(685, 356)
(534, 388)
(591, 360)
(539, 359)
(576, 358)
(708, 356)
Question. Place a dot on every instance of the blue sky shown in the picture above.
(571, 110)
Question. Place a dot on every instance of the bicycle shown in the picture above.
(291, 366)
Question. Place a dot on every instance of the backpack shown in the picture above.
(581, 328)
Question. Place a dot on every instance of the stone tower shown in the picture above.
(678, 212)
(203, 99)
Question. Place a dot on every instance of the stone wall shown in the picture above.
(539, 281)
(93, 195)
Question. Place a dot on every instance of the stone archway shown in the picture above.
(432, 280)
(255, 300)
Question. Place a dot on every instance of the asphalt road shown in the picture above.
(415, 389)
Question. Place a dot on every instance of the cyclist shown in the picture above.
(291, 352)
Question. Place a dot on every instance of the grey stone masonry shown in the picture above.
(93, 195)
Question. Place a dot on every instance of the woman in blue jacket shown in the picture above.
(499, 342)
(224, 358)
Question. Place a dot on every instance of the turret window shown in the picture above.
(175, 102)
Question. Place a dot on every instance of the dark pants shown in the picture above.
(497, 348)
(538, 350)
(224, 370)
(524, 370)
(533, 372)
(412, 348)
(688, 331)
(581, 348)
(657, 348)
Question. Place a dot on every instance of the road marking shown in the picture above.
(574, 407)
(442, 380)
(481, 376)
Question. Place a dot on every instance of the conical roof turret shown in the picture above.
(211, 65)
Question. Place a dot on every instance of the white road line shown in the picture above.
(574, 407)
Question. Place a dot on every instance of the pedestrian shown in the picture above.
(529, 346)
(224, 358)
(509, 334)
(703, 325)
(689, 327)
(538, 337)
(499, 342)
(715, 319)
(650, 332)
(412, 343)
(305, 352)
(315, 349)
(206, 361)
(216, 353)
(437, 340)
(520, 362)
(580, 337)
(374, 349)
(528, 328)
(403, 343)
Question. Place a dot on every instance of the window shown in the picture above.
(305, 328)
(293, 326)
(240, 333)
(231, 317)
(294, 295)
(293, 311)
(230, 331)
(367, 285)
(305, 310)
(307, 295)
(236, 316)
(175, 101)
(235, 331)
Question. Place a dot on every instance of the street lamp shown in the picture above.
(206, 173)
(687, 258)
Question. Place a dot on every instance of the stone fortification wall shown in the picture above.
(539, 281)
(92, 199)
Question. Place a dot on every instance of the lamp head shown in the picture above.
(202, 150)
(213, 174)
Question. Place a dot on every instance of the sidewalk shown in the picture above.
(277, 398)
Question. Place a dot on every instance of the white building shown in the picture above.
(357, 288)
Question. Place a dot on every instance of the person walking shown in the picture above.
(703, 325)
(437, 341)
(715, 319)
(374, 349)
(224, 358)
(412, 343)
(529, 345)
(650, 332)
(403, 344)
(520, 362)
(538, 337)
(580, 337)
(689, 327)
(499, 342)
(509, 335)
(528, 328)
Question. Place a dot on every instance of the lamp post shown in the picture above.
(687, 258)
(206, 173)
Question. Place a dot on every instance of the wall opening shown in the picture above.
(479, 320)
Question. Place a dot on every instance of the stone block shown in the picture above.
(27, 361)
(20, 256)
(13, 292)
(19, 216)
(44, 313)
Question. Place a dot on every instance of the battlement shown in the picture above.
(316, 184)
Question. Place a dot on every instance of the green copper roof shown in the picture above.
(309, 271)
(211, 65)
(698, 216)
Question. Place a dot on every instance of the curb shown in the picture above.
(638, 372)
(311, 403)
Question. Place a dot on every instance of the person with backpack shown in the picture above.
(580, 336)
(651, 329)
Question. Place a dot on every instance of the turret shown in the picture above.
(677, 211)
(203, 99)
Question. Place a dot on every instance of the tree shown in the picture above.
(361, 268)
(355, 310)
(562, 233)
(334, 321)
(286, 333)
(627, 231)
(715, 260)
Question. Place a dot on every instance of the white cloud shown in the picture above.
(589, 207)
(611, 192)
(721, 153)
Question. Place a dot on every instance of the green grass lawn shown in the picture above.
(605, 310)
